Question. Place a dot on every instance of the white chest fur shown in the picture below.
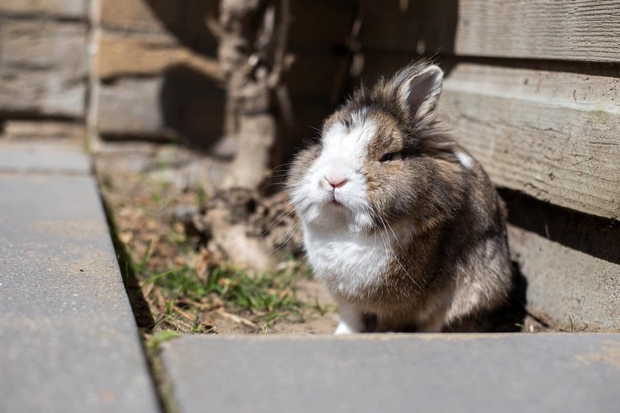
(348, 263)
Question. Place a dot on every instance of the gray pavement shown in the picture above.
(43, 157)
(397, 373)
(68, 340)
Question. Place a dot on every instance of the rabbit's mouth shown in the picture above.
(333, 199)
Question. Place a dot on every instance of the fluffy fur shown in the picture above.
(401, 224)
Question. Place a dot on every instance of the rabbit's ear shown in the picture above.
(418, 90)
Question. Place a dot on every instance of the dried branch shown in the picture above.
(353, 64)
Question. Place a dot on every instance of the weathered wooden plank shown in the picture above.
(141, 15)
(377, 65)
(334, 18)
(179, 104)
(554, 136)
(148, 54)
(586, 30)
(315, 75)
(54, 8)
(422, 26)
(43, 67)
(26, 130)
(574, 288)
(131, 107)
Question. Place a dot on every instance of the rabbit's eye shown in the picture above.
(389, 157)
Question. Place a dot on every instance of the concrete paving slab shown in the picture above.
(43, 157)
(68, 340)
(396, 373)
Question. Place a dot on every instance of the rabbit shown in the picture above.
(400, 223)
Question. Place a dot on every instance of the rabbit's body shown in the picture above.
(401, 224)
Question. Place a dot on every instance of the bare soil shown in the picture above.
(180, 277)
(155, 207)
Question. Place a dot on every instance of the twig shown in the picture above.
(282, 62)
(236, 318)
(354, 61)
(183, 313)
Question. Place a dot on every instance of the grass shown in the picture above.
(262, 299)
(265, 297)
(157, 339)
(180, 295)
(185, 288)
(201, 196)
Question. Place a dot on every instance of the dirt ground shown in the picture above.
(175, 280)
(157, 199)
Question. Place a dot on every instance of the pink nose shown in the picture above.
(336, 182)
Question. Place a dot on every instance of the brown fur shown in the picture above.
(459, 249)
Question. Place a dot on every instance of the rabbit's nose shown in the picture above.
(336, 182)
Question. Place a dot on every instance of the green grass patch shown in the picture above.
(160, 337)
(265, 297)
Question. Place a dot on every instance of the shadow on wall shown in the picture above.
(595, 236)
(393, 33)
(397, 32)
(192, 105)
(186, 20)
(191, 102)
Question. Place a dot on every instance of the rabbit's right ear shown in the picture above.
(418, 90)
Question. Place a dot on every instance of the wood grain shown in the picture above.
(568, 30)
(43, 67)
(180, 104)
(141, 15)
(571, 287)
(425, 26)
(148, 54)
(50, 8)
(554, 136)
(582, 30)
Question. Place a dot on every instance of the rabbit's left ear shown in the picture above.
(419, 90)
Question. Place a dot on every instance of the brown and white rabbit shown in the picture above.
(400, 223)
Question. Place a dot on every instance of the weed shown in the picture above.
(201, 196)
(267, 296)
(322, 309)
(140, 266)
(106, 182)
(160, 337)
(196, 327)
(178, 283)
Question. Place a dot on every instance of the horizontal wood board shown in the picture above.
(72, 9)
(586, 30)
(582, 30)
(554, 136)
(148, 54)
(577, 290)
(43, 67)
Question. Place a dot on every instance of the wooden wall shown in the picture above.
(156, 75)
(43, 68)
(533, 92)
(532, 89)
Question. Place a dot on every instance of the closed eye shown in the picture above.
(392, 156)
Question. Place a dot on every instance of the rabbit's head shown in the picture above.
(382, 160)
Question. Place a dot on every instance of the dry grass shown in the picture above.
(187, 288)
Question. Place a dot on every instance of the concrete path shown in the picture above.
(396, 373)
(68, 341)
